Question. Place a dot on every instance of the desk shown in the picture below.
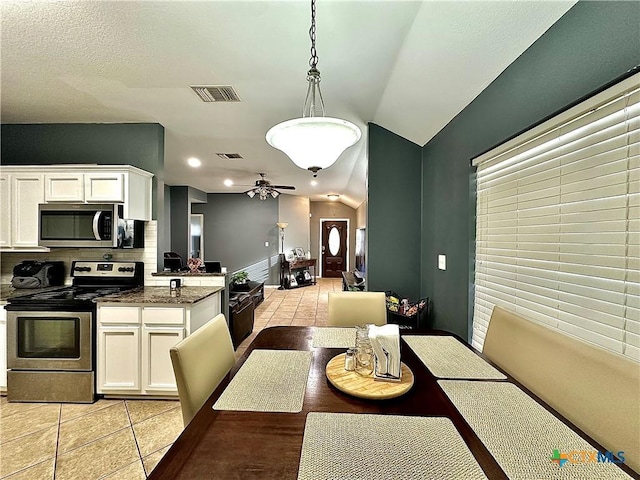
(258, 445)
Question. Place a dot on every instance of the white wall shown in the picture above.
(295, 211)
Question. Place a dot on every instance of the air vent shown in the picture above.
(229, 155)
(216, 93)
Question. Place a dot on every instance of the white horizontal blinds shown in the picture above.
(558, 224)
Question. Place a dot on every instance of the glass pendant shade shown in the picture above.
(313, 142)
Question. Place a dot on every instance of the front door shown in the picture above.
(334, 248)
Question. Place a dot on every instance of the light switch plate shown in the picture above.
(266, 244)
(442, 262)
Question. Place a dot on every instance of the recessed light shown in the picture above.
(194, 162)
(314, 183)
(333, 197)
(228, 182)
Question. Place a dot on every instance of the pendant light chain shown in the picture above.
(313, 61)
(313, 141)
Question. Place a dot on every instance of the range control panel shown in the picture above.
(104, 269)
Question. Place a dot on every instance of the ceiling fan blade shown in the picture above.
(284, 187)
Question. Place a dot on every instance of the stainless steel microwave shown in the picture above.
(87, 225)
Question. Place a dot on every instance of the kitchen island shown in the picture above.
(137, 328)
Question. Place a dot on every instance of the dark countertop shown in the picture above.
(186, 274)
(160, 295)
(7, 291)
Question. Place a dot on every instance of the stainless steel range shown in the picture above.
(51, 336)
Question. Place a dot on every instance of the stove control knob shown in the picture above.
(83, 269)
(125, 269)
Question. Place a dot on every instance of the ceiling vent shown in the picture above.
(216, 93)
(229, 155)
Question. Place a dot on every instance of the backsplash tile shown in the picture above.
(148, 255)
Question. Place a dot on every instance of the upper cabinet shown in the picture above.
(22, 188)
(64, 187)
(126, 185)
(20, 194)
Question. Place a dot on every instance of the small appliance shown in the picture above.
(34, 274)
(87, 225)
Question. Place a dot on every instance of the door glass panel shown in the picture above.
(334, 241)
(48, 337)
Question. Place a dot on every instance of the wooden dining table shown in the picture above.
(225, 444)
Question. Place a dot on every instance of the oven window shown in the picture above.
(48, 337)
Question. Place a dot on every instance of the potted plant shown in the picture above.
(239, 281)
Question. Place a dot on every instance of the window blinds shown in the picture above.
(558, 224)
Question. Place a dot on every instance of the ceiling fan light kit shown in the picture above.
(313, 142)
(263, 189)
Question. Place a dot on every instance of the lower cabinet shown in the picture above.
(118, 358)
(156, 363)
(134, 341)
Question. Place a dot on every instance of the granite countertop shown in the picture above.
(187, 274)
(182, 295)
(7, 291)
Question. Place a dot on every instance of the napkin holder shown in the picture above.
(385, 341)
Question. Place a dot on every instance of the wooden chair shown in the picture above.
(347, 309)
(200, 362)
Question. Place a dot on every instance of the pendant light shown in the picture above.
(313, 141)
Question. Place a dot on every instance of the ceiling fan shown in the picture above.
(263, 188)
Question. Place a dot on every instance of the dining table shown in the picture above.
(228, 443)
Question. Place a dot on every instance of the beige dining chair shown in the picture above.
(200, 362)
(347, 309)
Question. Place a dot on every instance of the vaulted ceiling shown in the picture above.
(408, 66)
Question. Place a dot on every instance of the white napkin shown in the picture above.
(385, 341)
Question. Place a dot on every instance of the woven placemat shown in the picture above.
(446, 357)
(372, 447)
(522, 435)
(334, 337)
(269, 381)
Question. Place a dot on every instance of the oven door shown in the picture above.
(49, 340)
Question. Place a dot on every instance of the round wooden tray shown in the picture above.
(366, 387)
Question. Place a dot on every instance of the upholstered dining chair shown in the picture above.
(347, 309)
(200, 362)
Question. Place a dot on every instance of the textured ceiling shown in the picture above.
(409, 66)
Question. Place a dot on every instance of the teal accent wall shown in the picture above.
(393, 213)
(236, 228)
(137, 144)
(182, 199)
(593, 44)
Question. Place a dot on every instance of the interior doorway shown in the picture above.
(334, 236)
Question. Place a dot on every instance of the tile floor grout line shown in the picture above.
(135, 439)
(55, 455)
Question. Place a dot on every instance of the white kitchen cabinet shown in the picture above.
(64, 187)
(27, 191)
(104, 187)
(157, 371)
(22, 188)
(5, 210)
(133, 350)
(3, 349)
(123, 184)
(119, 358)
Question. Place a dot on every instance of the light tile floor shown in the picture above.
(124, 439)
